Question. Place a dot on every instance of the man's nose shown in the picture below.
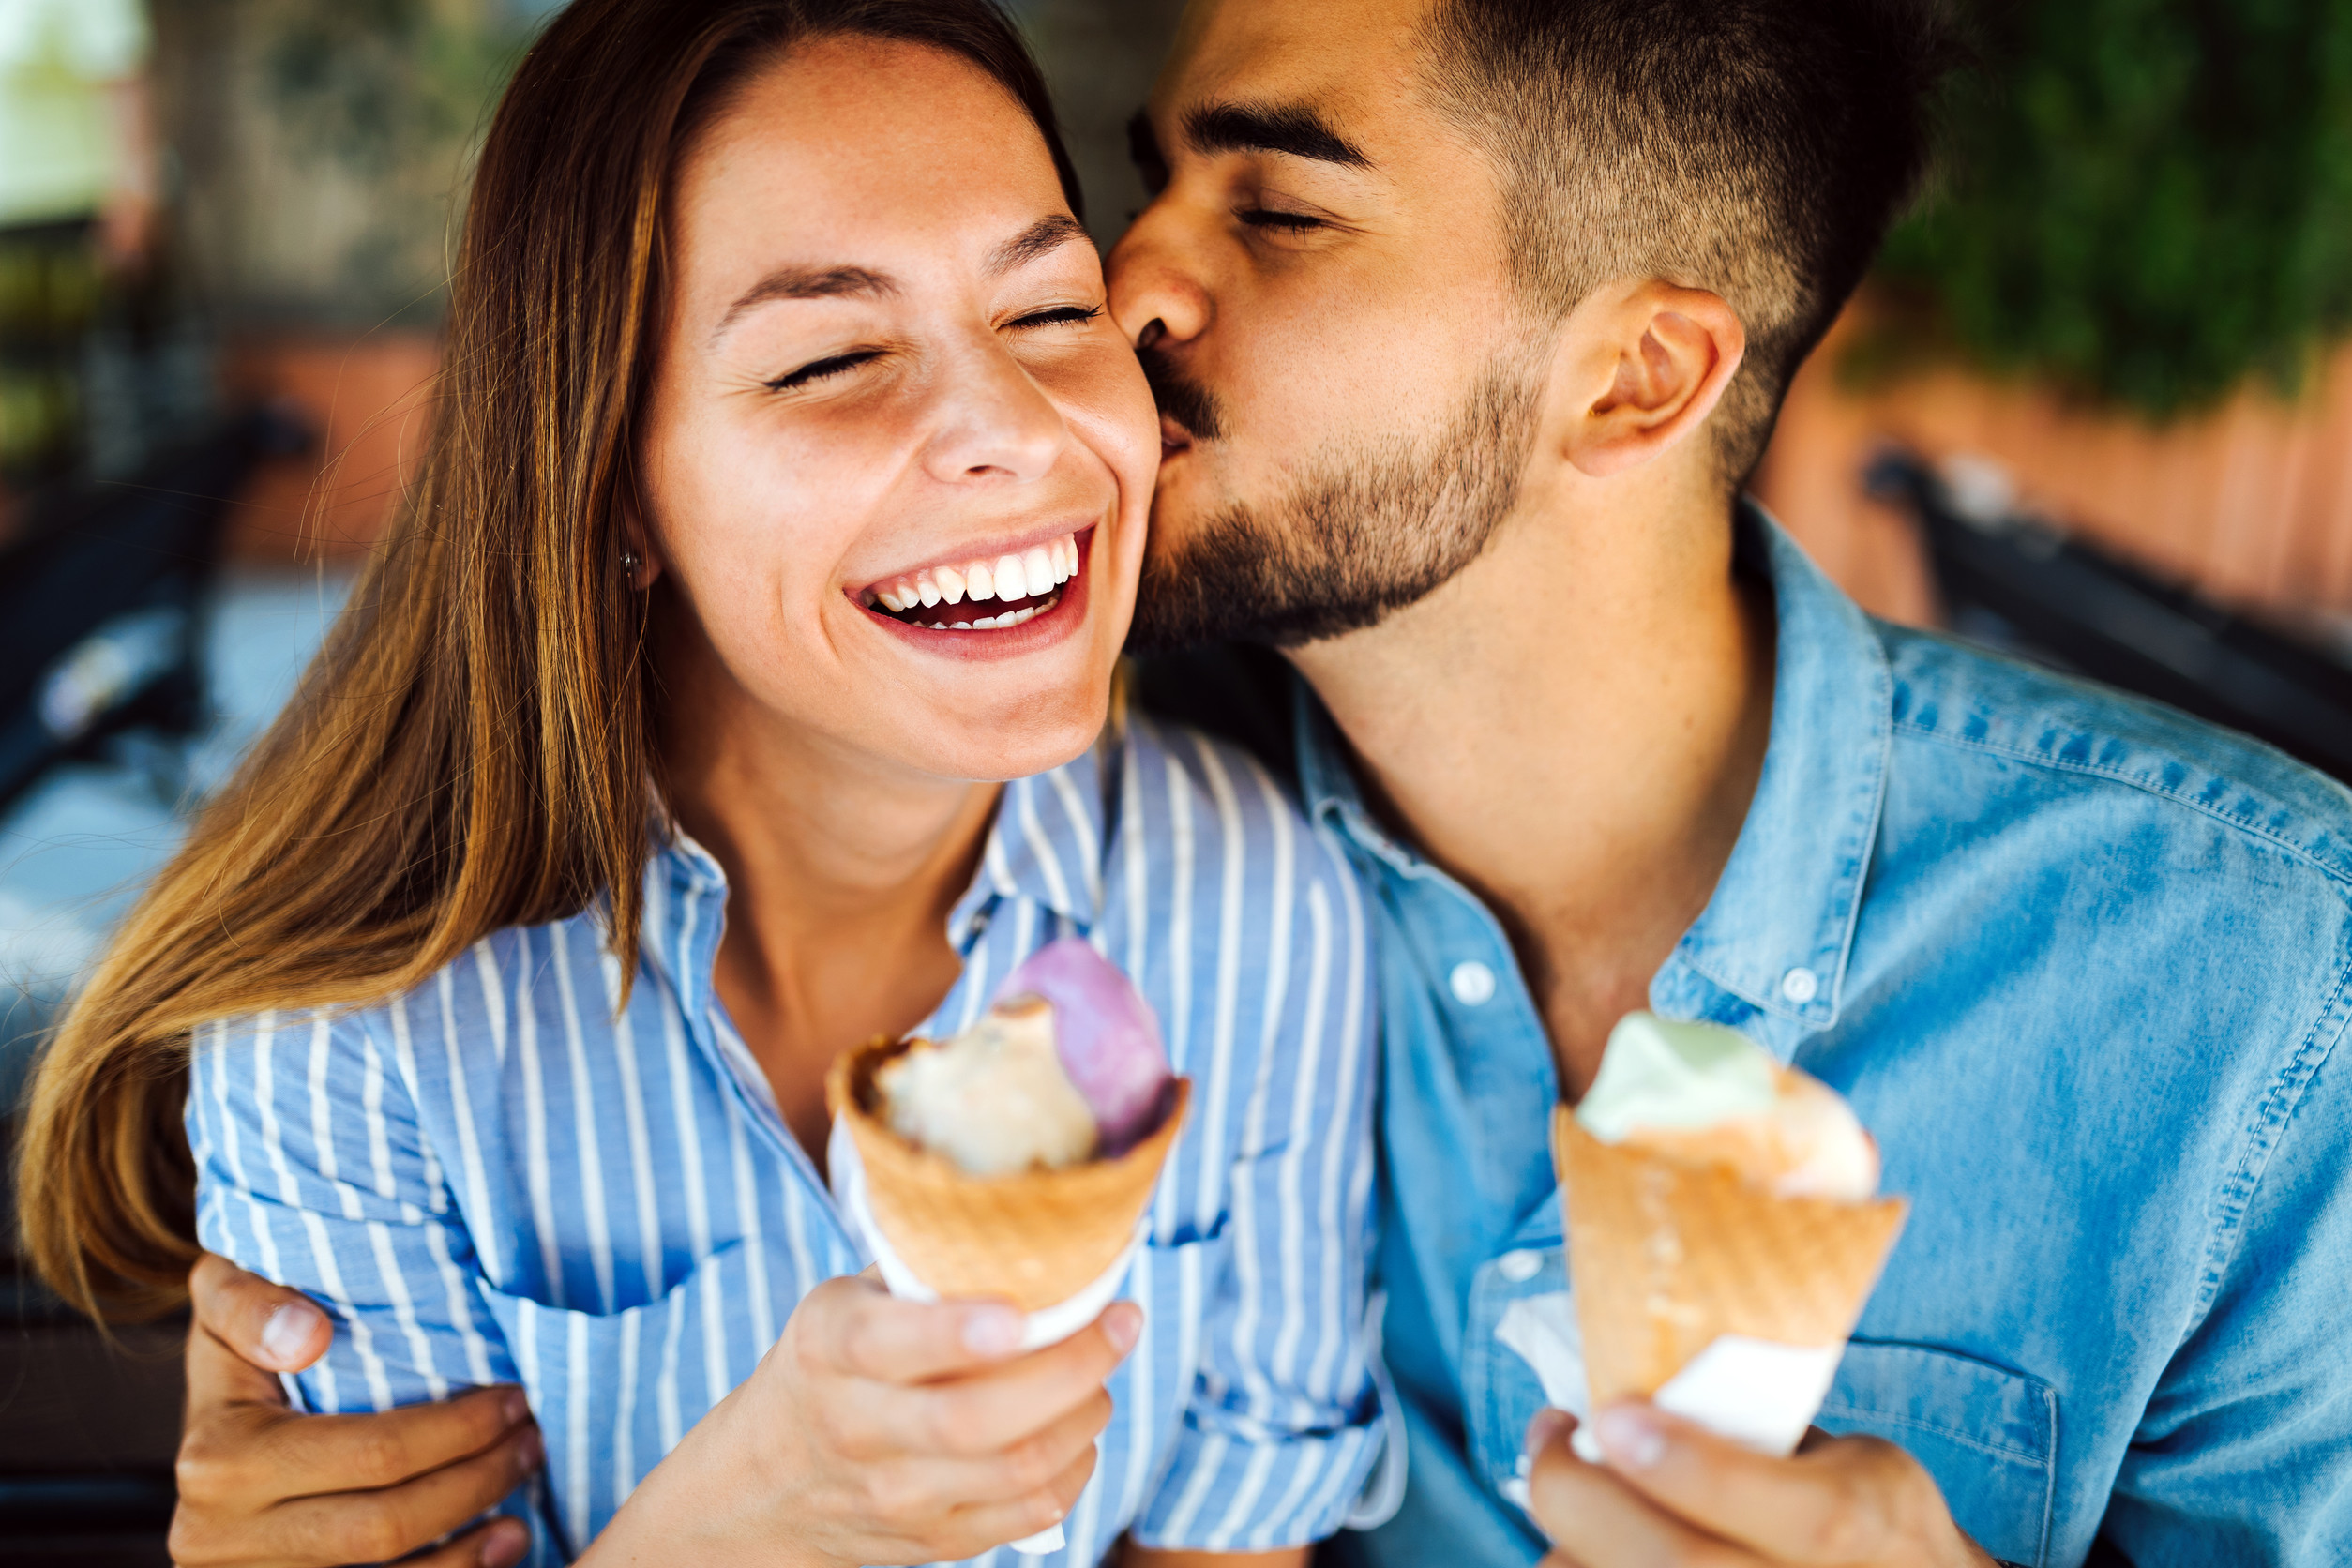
(995, 421)
(1156, 296)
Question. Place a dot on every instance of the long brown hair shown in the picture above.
(474, 749)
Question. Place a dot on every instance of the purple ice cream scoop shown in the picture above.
(1105, 1035)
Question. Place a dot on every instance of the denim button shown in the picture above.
(1520, 1267)
(1472, 983)
(1801, 985)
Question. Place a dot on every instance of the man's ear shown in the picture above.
(1641, 366)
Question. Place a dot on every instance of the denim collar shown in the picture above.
(1769, 952)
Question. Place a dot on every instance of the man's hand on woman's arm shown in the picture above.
(263, 1485)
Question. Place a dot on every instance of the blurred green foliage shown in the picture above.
(2146, 200)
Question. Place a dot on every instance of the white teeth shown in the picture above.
(1033, 573)
(986, 623)
(1012, 582)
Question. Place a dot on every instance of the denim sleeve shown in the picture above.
(2244, 1454)
(312, 1171)
(1283, 1421)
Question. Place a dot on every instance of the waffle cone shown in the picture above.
(1667, 1255)
(1036, 1237)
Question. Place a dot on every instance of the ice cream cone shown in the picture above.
(1667, 1255)
(1035, 1237)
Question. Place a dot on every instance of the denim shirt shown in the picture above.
(2080, 963)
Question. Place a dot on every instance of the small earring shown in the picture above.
(628, 566)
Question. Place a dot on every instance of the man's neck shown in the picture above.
(1573, 727)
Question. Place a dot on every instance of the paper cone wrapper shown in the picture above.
(1036, 1238)
(1667, 1256)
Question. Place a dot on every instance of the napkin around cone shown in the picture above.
(1669, 1255)
(1035, 1237)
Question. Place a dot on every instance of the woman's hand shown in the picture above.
(882, 1431)
(263, 1487)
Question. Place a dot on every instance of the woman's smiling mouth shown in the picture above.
(989, 594)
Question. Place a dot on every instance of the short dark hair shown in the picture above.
(1756, 148)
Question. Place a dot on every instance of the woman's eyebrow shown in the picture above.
(1047, 233)
(804, 282)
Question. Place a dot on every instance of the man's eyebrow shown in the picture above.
(807, 282)
(1292, 128)
(1047, 233)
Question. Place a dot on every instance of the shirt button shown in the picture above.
(1520, 1267)
(1801, 985)
(1472, 983)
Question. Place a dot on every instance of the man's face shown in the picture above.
(1347, 383)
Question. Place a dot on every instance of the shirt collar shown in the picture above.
(1045, 845)
(1769, 952)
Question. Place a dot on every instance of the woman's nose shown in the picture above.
(1154, 297)
(996, 422)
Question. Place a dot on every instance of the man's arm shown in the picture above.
(260, 1483)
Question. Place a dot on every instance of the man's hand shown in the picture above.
(261, 1485)
(1672, 1493)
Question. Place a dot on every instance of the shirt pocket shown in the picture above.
(1988, 1435)
(613, 1391)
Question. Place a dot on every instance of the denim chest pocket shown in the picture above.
(1988, 1435)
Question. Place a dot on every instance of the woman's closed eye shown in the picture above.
(1060, 315)
(822, 369)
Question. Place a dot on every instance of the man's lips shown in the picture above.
(1174, 438)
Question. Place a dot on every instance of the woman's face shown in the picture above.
(897, 457)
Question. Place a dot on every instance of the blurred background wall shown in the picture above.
(2095, 408)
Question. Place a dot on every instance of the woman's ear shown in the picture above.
(641, 563)
(1641, 367)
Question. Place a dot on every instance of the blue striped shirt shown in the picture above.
(494, 1178)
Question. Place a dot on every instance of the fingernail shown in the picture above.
(517, 1406)
(530, 1448)
(1123, 1326)
(288, 1332)
(504, 1543)
(1630, 1436)
(993, 1331)
(1547, 1428)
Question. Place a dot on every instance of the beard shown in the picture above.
(1373, 524)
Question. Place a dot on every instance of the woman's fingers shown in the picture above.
(852, 1326)
(987, 1412)
(983, 1525)
(942, 1485)
(266, 1325)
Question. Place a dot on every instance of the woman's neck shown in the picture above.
(842, 873)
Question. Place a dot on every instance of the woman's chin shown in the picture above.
(1011, 744)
